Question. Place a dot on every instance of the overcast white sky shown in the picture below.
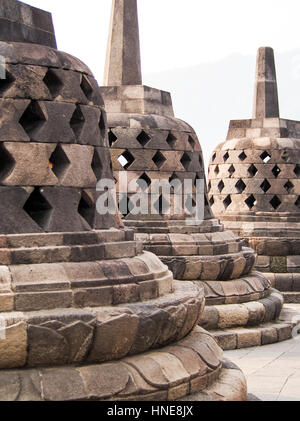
(177, 33)
(203, 52)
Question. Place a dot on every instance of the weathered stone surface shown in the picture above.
(13, 348)
(20, 386)
(63, 384)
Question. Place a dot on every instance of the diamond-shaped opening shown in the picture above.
(252, 170)
(171, 140)
(102, 125)
(226, 156)
(289, 186)
(53, 83)
(227, 201)
(112, 138)
(7, 162)
(242, 156)
(97, 165)
(86, 87)
(297, 203)
(231, 170)
(250, 201)
(209, 186)
(297, 170)
(59, 162)
(125, 205)
(77, 121)
(7, 82)
(159, 159)
(142, 180)
(265, 185)
(185, 161)
(143, 138)
(86, 208)
(213, 157)
(126, 159)
(217, 170)
(285, 156)
(191, 142)
(221, 186)
(240, 186)
(276, 171)
(265, 156)
(162, 205)
(211, 201)
(33, 118)
(275, 202)
(38, 208)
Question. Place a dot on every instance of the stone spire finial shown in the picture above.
(266, 95)
(123, 59)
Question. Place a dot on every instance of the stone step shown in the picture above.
(291, 297)
(282, 329)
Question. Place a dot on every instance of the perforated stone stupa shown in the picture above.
(88, 314)
(254, 182)
(149, 143)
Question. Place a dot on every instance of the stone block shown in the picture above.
(13, 348)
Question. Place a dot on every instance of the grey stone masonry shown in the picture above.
(20, 22)
(123, 60)
(266, 95)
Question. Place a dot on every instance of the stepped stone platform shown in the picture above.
(85, 312)
(254, 182)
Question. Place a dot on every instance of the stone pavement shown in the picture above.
(272, 371)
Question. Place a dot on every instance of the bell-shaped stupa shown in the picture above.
(148, 144)
(82, 306)
(254, 182)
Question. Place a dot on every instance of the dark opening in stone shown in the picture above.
(7, 82)
(276, 171)
(185, 161)
(265, 185)
(142, 180)
(289, 186)
(252, 170)
(33, 118)
(250, 201)
(97, 165)
(171, 140)
(59, 162)
(112, 138)
(102, 125)
(159, 159)
(7, 162)
(211, 201)
(226, 156)
(265, 156)
(275, 202)
(38, 208)
(86, 87)
(221, 186)
(227, 201)
(231, 170)
(86, 208)
(297, 203)
(242, 156)
(77, 122)
(126, 159)
(213, 157)
(297, 170)
(217, 170)
(240, 186)
(143, 138)
(53, 83)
